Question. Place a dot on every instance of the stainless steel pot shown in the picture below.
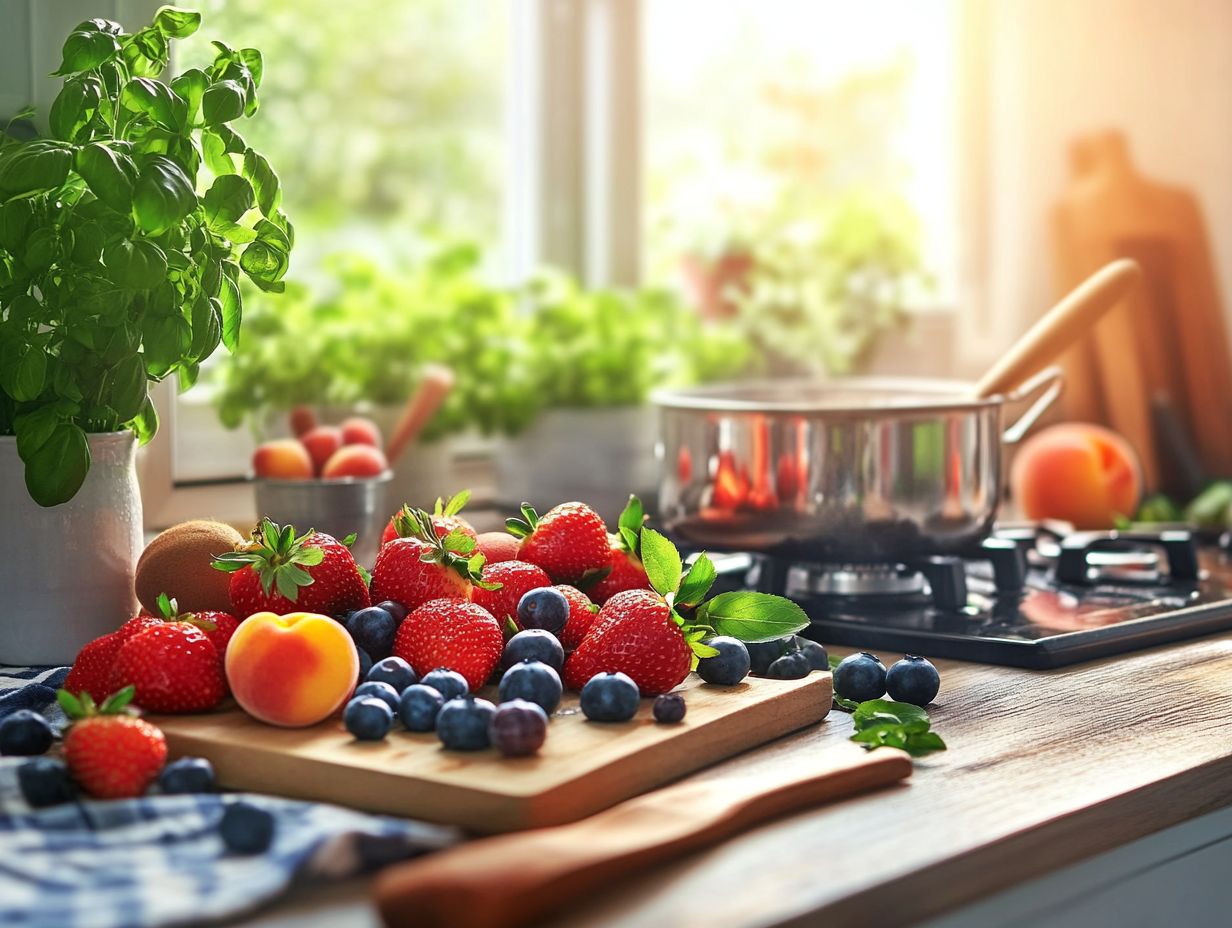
(849, 470)
(337, 507)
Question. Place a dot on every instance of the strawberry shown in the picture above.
(515, 579)
(445, 519)
(110, 752)
(451, 633)
(634, 633)
(137, 623)
(581, 616)
(91, 671)
(569, 541)
(626, 570)
(174, 667)
(217, 626)
(423, 566)
(278, 572)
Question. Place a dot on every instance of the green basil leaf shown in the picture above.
(176, 23)
(264, 181)
(264, 264)
(215, 151)
(165, 340)
(128, 387)
(156, 100)
(56, 470)
(752, 616)
(191, 87)
(162, 196)
(879, 710)
(146, 52)
(254, 62)
(88, 244)
(186, 376)
(15, 219)
(33, 166)
(697, 581)
(923, 743)
(73, 106)
(222, 102)
(206, 327)
(145, 423)
(229, 301)
(136, 265)
(33, 429)
(99, 25)
(662, 562)
(24, 372)
(42, 249)
(229, 198)
(110, 174)
(84, 50)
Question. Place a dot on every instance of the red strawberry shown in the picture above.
(625, 567)
(634, 633)
(111, 753)
(497, 546)
(445, 519)
(279, 572)
(423, 566)
(217, 626)
(174, 668)
(91, 672)
(515, 578)
(581, 616)
(569, 542)
(137, 623)
(451, 633)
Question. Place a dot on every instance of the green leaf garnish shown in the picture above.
(885, 723)
(662, 562)
(697, 581)
(629, 527)
(752, 616)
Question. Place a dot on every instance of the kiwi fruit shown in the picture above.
(177, 563)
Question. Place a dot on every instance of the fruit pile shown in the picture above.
(352, 449)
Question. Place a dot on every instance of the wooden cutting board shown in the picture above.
(584, 766)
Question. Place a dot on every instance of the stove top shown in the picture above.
(1031, 596)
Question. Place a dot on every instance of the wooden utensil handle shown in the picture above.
(1061, 326)
(514, 880)
(435, 385)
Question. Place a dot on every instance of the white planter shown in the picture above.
(597, 456)
(67, 572)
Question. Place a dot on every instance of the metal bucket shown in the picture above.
(336, 507)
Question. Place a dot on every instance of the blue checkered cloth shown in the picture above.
(159, 860)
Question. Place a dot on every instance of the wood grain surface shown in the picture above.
(583, 767)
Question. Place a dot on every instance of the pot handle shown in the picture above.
(1048, 384)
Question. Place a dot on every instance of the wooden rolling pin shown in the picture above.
(517, 879)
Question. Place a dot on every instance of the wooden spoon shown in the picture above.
(1070, 319)
(420, 408)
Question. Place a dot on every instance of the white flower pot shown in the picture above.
(67, 572)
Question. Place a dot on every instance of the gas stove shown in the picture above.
(1039, 595)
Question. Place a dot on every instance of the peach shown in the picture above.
(498, 546)
(355, 461)
(303, 419)
(321, 443)
(291, 670)
(1080, 473)
(360, 431)
(285, 459)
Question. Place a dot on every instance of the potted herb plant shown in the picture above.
(123, 236)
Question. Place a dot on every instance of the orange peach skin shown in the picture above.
(291, 670)
(355, 461)
(1081, 473)
(284, 459)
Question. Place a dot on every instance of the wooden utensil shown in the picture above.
(1062, 326)
(516, 880)
(420, 408)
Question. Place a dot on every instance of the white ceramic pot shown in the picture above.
(598, 456)
(67, 572)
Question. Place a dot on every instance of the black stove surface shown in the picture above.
(1034, 596)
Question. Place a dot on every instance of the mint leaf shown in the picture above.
(875, 711)
(630, 525)
(926, 743)
(753, 616)
(662, 562)
(697, 582)
(884, 723)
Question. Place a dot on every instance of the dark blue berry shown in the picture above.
(246, 829)
(365, 663)
(534, 644)
(462, 724)
(45, 782)
(25, 733)
(860, 677)
(382, 691)
(419, 707)
(544, 608)
(793, 665)
(397, 610)
(818, 659)
(763, 653)
(373, 630)
(729, 666)
(394, 671)
(368, 718)
(449, 683)
(669, 708)
(610, 697)
(187, 775)
(533, 681)
(518, 728)
(913, 679)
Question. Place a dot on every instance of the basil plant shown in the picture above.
(122, 239)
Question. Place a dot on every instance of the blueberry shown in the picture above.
(763, 653)
(394, 671)
(419, 706)
(729, 666)
(793, 665)
(860, 677)
(462, 724)
(449, 683)
(669, 708)
(518, 728)
(45, 782)
(368, 718)
(533, 681)
(365, 663)
(913, 679)
(187, 775)
(397, 610)
(544, 608)
(610, 697)
(382, 691)
(373, 630)
(817, 657)
(246, 829)
(534, 644)
(25, 732)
